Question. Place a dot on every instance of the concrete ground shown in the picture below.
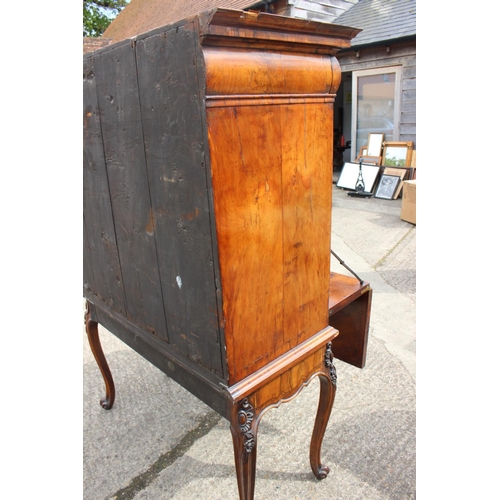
(160, 442)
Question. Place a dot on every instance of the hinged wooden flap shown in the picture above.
(349, 308)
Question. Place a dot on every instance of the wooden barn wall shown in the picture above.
(313, 10)
(403, 55)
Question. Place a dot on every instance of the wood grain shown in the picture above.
(102, 272)
(307, 152)
(118, 98)
(207, 206)
(174, 137)
(225, 27)
(271, 168)
(290, 383)
(248, 207)
(273, 370)
(266, 72)
(248, 406)
(349, 309)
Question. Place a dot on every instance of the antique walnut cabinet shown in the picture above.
(208, 149)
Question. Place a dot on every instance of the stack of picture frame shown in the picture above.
(384, 167)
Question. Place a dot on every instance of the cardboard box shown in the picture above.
(409, 204)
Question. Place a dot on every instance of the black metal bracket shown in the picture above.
(347, 267)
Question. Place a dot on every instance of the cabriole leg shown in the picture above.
(328, 386)
(95, 345)
(244, 432)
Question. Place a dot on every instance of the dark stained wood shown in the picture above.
(349, 308)
(174, 138)
(118, 99)
(342, 290)
(204, 384)
(102, 272)
(88, 273)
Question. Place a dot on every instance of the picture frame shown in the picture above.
(397, 154)
(371, 160)
(387, 186)
(362, 151)
(375, 141)
(403, 173)
(348, 177)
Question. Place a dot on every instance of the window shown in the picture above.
(375, 105)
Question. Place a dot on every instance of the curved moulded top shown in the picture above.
(255, 53)
(253, 72)
(261, 30)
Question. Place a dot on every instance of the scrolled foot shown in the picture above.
(321, 472)
(106, 403)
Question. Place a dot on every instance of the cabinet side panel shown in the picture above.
(102, 273)
(271, 167)
(307, 154)
(175, 136)
(246, 178)
(118, 99)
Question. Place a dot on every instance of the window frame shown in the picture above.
(356, 74)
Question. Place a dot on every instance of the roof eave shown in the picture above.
(376, 44)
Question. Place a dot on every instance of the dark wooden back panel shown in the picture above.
(118, 99)
(153, 185)
(102, 275)
(173, 115)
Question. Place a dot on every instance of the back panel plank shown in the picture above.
(128, 183)
(174, 136)
(88, 273)
(102, 273)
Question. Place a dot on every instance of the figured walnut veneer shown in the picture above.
(254, 72)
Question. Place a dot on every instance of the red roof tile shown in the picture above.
(140, 16)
